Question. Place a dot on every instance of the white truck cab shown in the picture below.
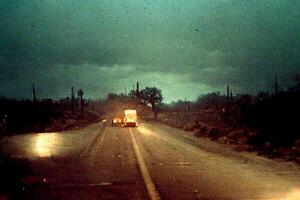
(130, 118)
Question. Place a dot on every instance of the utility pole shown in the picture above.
(33, 93)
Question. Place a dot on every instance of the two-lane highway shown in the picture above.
(151, 161)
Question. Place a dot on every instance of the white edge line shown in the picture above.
(143, 168)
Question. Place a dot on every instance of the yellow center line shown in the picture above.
(145, 173)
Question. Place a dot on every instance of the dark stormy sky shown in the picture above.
(184, 47)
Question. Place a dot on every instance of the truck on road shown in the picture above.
(130, 118)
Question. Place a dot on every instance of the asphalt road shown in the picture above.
(149, 162)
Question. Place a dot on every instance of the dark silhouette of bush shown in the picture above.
(214, 133)
(25, 115)
(202, 132)
(212, 100)
(276, 118)
(204, 129)
(22, 116)
(11, 173)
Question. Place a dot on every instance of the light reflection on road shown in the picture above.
(49, 144)
(144, 130)
(46, 144)
(292, 195)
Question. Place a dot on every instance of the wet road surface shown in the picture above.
(149, 162)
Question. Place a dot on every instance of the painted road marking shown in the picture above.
(103, 135)
(89, 147)
(145, 173)
(177, 142)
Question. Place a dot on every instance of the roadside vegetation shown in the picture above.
(25, 116)
(48, 115)
(266, 123)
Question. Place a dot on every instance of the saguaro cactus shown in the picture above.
(72, 100)
(137, 89)
(231, 98)
(189, 106)
(228, 89)
(80, 94)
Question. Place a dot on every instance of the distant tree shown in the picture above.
(179, 106)
(152, 96)
(261, 96)
(213, 99)
(112, 96)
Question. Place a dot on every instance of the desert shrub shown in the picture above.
(188, 128)
(198, 134)
(237, 137)
(23, 116)
(204, 129)
(197, 124)
(257, 140)
(214, 133)
(71, 123)
(202, 132)
(296, 147)
(275, 119)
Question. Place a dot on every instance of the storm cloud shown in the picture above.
(184, 47)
